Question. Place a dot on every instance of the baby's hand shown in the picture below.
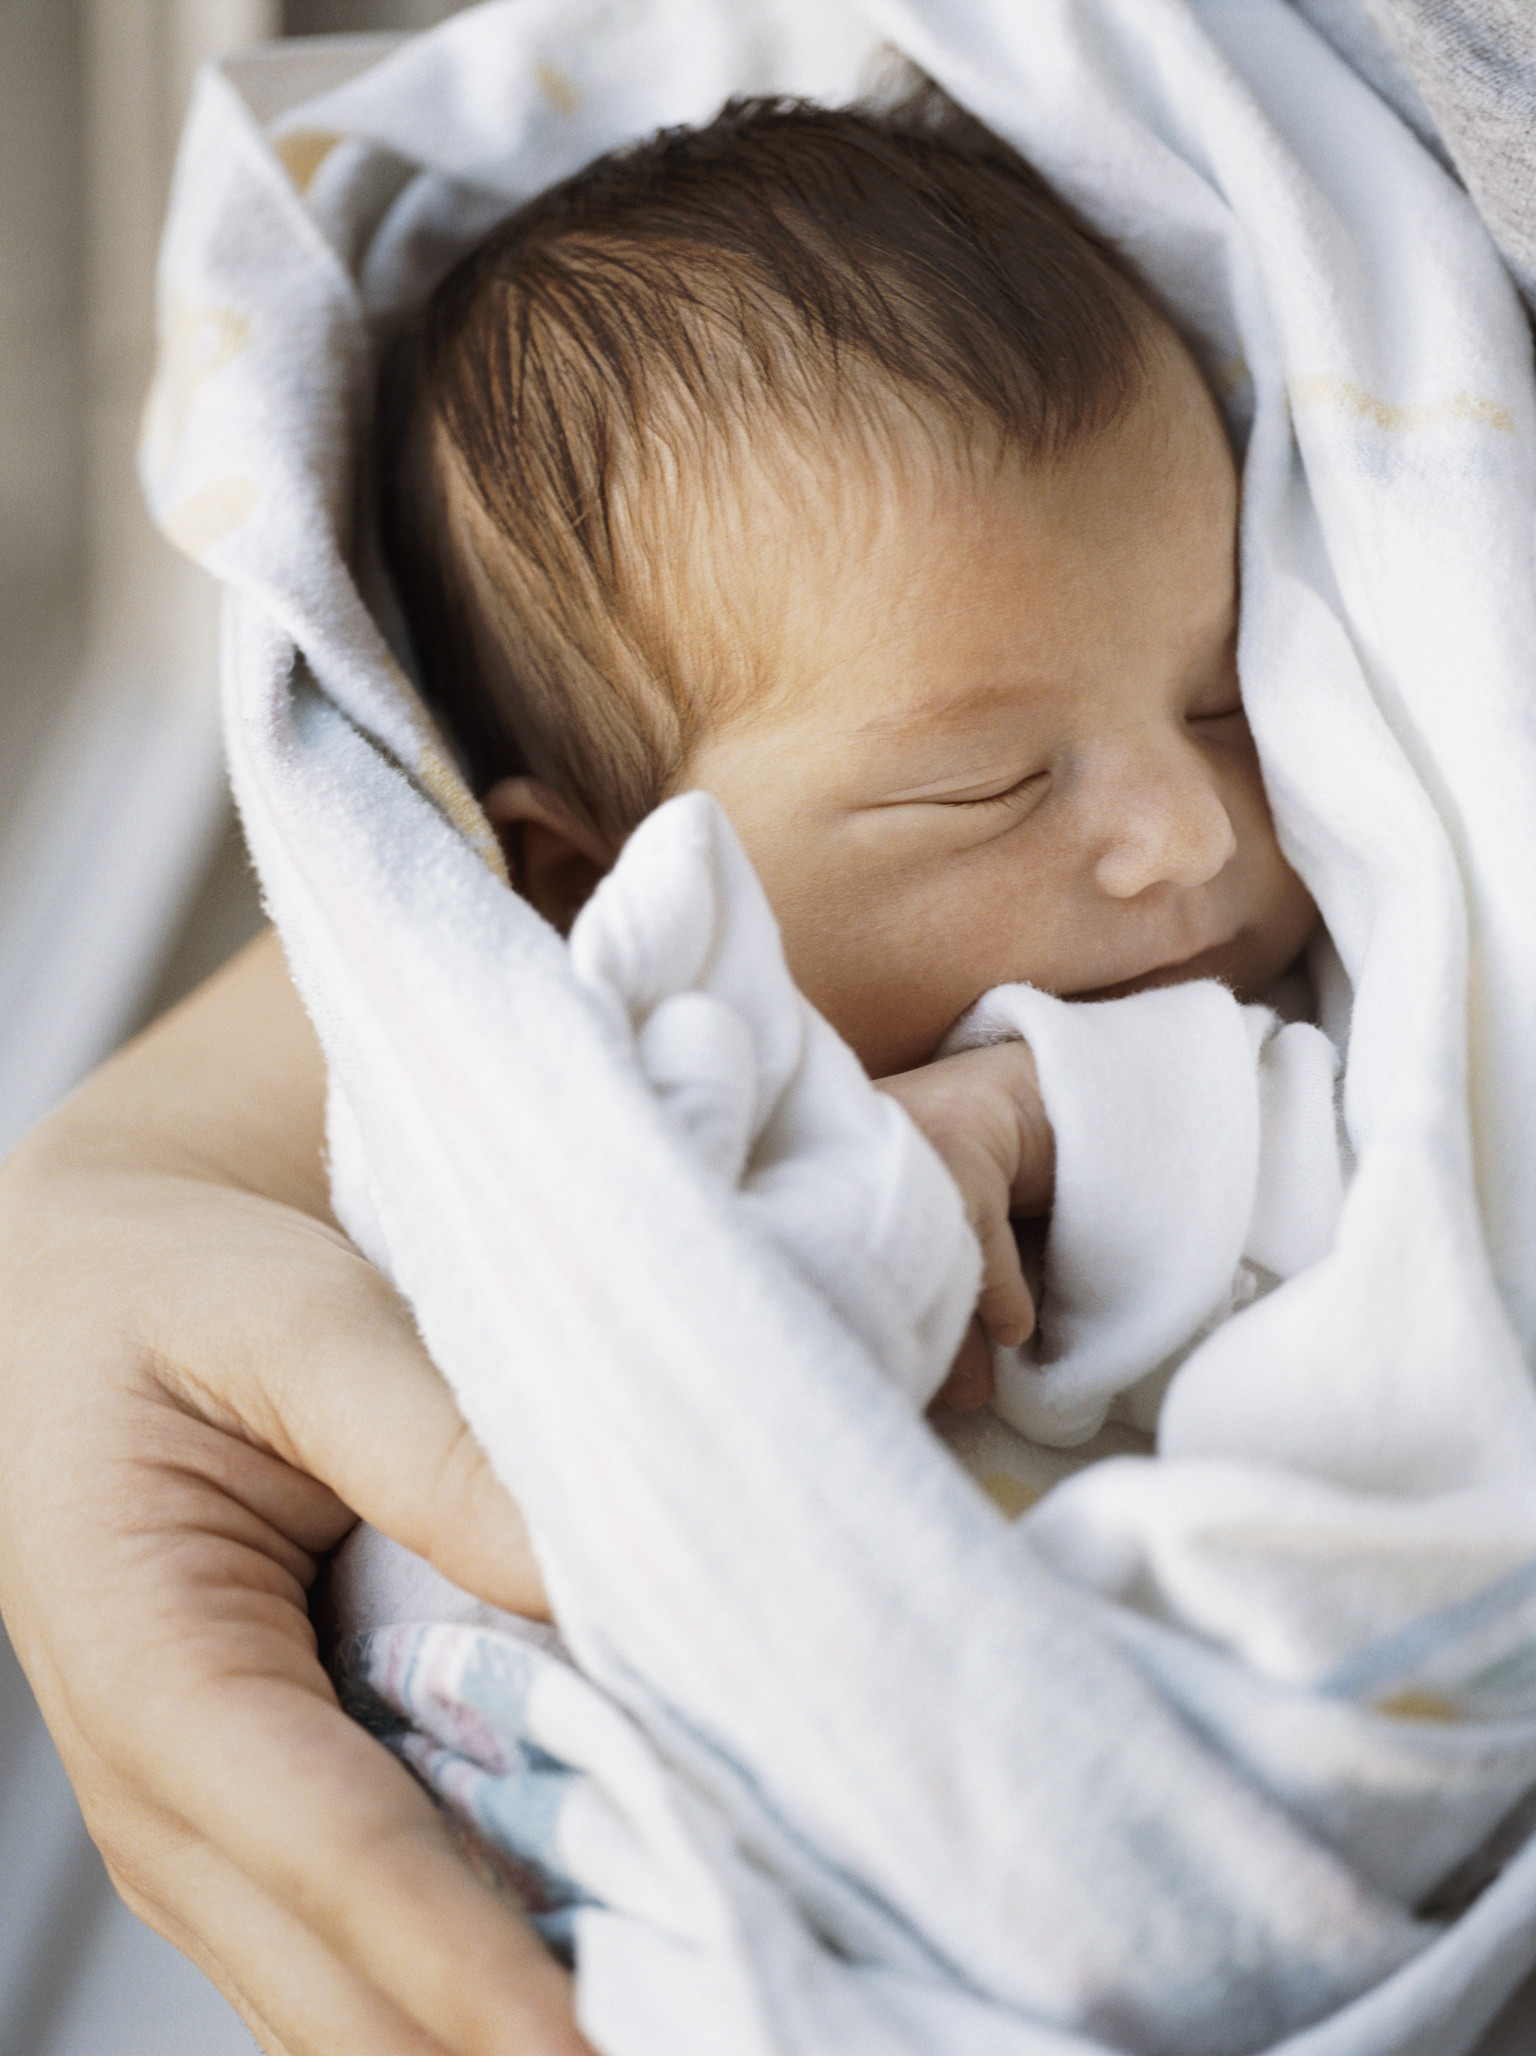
(983, 1113)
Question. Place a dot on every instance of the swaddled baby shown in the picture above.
(825, 461)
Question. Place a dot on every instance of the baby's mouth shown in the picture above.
(1210, 962)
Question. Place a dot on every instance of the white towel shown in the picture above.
(832, 1754)
(1198, 1163)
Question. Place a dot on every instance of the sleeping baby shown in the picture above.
(825, 461)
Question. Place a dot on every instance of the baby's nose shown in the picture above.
(1168, 825)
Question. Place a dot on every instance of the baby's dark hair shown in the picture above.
(831, 275)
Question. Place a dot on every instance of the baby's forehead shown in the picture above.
(661, 395)
(926, 589)
(775, 483)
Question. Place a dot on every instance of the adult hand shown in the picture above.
(201, 1386)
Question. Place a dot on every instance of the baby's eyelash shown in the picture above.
(997, 799)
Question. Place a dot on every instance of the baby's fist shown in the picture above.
(983, 1113)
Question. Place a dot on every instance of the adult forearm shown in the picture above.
(201, 1384)
(229, 1087)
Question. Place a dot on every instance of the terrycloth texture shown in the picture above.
(1198, 1164)
(832, 1755)
(1464, 73)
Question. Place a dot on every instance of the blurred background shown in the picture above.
(123, 880)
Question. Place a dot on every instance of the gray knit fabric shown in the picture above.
(1463, 73)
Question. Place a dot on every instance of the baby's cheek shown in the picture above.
(1287, 923)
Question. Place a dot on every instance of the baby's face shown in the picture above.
(1009, 744)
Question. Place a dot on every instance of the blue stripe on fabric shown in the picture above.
(1382, 1664)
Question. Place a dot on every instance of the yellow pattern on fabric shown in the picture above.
(447, 788)
(302, 152)
(1414, 1705)
(214, 511)
(438, 777)
(557, 89)
(1009, 1494)
(196, 340)
(1325, 390)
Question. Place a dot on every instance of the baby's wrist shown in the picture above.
(985, 1102)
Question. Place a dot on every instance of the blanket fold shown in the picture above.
(1198, 1162)
(830, 1752)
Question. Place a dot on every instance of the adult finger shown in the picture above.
(300, 1997)
(296, 1998)
(377, 1863)
(182, 1683)
(328, 1372)
(233, 1742)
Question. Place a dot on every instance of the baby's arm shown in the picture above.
(199, 1378)
(983, 1113)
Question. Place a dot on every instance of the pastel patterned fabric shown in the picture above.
(1212, 1751)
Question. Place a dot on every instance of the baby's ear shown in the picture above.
(554, 856)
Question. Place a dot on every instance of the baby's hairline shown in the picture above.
(591, 385)
(796, 473)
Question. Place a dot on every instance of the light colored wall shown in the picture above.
(336, 17)
(106, 662)
(40, 236)
(111, 805)
(41, 367)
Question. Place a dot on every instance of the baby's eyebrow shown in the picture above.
(944, 711)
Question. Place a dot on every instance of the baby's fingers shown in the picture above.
(1005, 1305)
(969, 1383)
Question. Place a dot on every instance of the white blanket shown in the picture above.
(1199, 1163)
(1203, 1754)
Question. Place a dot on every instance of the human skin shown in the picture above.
(202, 1388)
(202, 1385)
(1002, 742)
(1012, 747)
(1092, 821)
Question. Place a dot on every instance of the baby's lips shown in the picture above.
(1162, 971)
